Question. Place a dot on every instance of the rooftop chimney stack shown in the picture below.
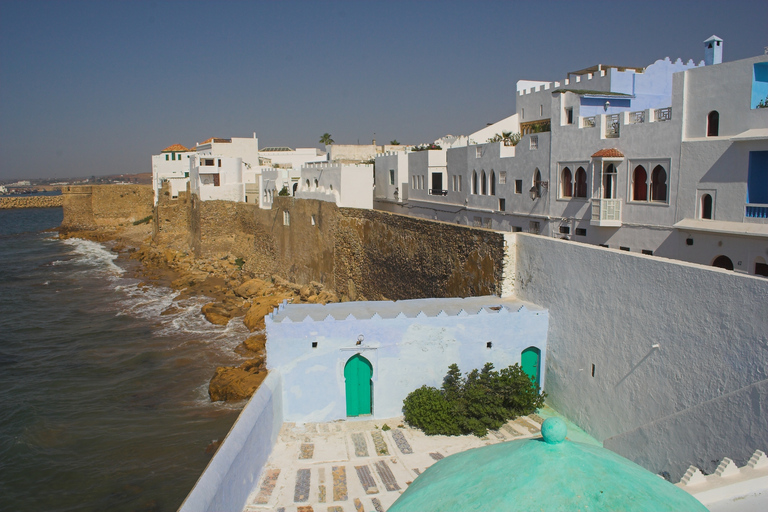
(713, 51)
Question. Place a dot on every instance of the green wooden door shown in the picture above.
(530, 361)
(357, 375)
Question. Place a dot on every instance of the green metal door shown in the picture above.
(530, 361)
(357, 375)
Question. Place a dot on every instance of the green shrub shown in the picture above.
(239, 262)
(142, 221)
(483, 399)
(385, 427)
(284, 191)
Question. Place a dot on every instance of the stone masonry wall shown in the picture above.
(103, 205)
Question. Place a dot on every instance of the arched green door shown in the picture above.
(530, 361)
(357, 375)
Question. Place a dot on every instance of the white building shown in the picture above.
(669, 160)
(285, 157)
(219, 168)
(172, 166)
(347, 185)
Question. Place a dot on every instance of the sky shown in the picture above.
(97, 87)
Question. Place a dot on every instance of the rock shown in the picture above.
(231, 383)
(252, 345)
(254, 318)
(216, 313)
(325, 297)
(251, 288)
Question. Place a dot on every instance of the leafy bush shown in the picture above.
(239, 262)
(284, 191)
(472, 404)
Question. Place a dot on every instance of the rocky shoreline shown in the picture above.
(6, 203)
(234, 293)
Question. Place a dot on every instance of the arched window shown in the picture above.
(761, 269)
(493, 183)
(307, 183)
(537, 183)
(474, 182)
(713, 124)
(581, 182)
(566, 183)
(659, 184)
(706, 206)
(723, 262)
(640, 184)
(484, 184)
(315, 182)
(295, 187)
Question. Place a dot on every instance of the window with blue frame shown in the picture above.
(760, 85)
(757, 185)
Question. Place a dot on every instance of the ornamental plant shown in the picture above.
(473, 403)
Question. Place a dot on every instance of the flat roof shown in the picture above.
(411, 308)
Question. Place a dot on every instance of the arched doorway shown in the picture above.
(359, 386)
(530, 361)
(723, 262)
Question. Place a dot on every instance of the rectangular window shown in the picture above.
(487, 223)
(286, 218)
(502, 205)
(219, 162)
(208, 162)
(166, 157)
(216, 180)
(760, 85)
(569, 115)
(534, 142)
(565, 230)
(534, 227)
(623, 248)
(518, 186)
(541, 110)
(502, 177)
(458, 182)
(478, 152)
(391, 176)
(477, 222)
(647, 252)
(581, 231)
(522, 113)
(757, 178)
(517, 229)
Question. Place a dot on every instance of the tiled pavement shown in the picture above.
(354, 466)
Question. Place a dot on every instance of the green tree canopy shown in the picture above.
(326, 139)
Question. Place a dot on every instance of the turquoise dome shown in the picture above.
(542, 474)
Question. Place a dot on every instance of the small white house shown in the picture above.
(363, 358)
(220, 168)
(172, 166)
(285, 157)
(347, 185)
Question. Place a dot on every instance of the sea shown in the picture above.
(103, 397)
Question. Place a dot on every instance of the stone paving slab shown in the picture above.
(361, 447)
(401, 442)
(533, 429)
(379, 443)
(301, 491)
(366, 479)
(386, 476)
(267, 486)
(339, 483)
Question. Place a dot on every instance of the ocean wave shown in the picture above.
(93, 255)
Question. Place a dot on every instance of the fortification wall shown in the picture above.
(663, 360)
(7, 203)
(91, 206)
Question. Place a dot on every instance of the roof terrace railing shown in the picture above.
(663, 114)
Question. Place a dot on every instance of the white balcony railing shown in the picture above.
(606, 212)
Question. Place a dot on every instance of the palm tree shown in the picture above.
(394, 143)
(326, 139)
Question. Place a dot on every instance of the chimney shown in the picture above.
(713, 51)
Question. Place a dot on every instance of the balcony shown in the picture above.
(757, 211)
(606, 213)
(612, 126)
(438, 192)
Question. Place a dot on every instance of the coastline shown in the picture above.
(233, 294)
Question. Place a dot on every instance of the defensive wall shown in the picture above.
(664, 361)
(7, 203)
(360, 254)
(91, 206)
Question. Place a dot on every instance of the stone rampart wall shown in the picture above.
(30, 202)
(87, 206)
(360, 254)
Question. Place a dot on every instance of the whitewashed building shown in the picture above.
(347, 185)
(171, 166)
(220, 167)
(289, 158)
(668, 160)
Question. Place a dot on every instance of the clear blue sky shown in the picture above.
(93, 88)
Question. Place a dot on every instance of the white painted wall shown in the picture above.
(406, 352)
(296, 157)
(238, 463)
(170, 170)
(609, 308)
(386, 164)
(230, 174)
(347, 185)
